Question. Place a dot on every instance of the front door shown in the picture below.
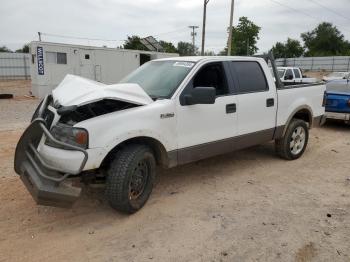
(206, 130)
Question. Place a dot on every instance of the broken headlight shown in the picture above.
(70, 135)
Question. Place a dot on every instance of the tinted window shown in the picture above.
(250, 76)
(289, 75)
(212, 75)
(296, 73)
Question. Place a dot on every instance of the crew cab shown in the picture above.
(293, 76)
(338, 99)
(169, 112)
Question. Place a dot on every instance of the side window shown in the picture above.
(212, 75)
(56, 58)
(296, 73)
(289, 75)
(250, 76)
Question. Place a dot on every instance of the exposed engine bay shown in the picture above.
(75, 114)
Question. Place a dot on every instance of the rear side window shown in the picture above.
(249, 75)
(296, 73)
(289, 75)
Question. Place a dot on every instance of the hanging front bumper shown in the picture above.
(47, 184)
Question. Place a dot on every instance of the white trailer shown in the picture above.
(51, 62)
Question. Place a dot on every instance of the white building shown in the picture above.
(50, 62)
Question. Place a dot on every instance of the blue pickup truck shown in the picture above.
(338, 99)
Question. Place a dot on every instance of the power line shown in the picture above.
(101, 39)
(170, 32)
(81, 38)
(302, 12)
(294, 9)
(330, 10)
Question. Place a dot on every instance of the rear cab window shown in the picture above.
(249, 77)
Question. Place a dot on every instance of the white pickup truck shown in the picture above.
(168, 112)
(293, 76)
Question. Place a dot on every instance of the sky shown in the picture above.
(167, 20)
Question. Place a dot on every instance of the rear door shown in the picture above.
(257, 102)
(289, 77)
(297, 75)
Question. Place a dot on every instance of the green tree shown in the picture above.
(186, 49)
(291, 48)
(4, 49)
(325, 40)
(279, 50)
(24, 49)
(209, 53)
(168, 47)
(134, 43)
(244, 38)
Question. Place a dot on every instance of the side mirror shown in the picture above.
(201, 96)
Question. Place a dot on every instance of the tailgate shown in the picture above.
(338, 102)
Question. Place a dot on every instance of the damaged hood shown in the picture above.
(76, 90)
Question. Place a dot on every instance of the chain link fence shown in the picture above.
(14, 66)
(327, 63)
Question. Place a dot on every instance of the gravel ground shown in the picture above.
(16, 112)
(244, 206)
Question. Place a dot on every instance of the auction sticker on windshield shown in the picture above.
(184, 64)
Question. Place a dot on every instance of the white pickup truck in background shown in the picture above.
(293, 76)
(168, 112)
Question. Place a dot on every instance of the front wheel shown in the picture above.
(293, 144)
(130, 178)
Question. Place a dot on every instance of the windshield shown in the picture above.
(281, 73)
(160, 79)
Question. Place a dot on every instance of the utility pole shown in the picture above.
(193, 34)
(203, 28)
(229, 41)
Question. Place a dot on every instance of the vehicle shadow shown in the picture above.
(172, 181)
(336, 125)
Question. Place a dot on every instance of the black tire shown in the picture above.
(283, 145)
(130, 178)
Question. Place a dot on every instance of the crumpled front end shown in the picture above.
(47, 184)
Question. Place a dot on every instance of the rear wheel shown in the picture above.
(293, 144)
(130, 178)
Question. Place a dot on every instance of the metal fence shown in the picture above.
(14, 66)
(327, 63)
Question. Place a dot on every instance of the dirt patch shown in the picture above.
(306, 253)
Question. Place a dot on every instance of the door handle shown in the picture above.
(231, 108)
(270, 102)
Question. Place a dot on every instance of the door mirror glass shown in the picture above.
(201, 95)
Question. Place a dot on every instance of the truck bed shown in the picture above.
(293, 97)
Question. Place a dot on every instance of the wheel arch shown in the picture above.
(162, 157)
(303, 112)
